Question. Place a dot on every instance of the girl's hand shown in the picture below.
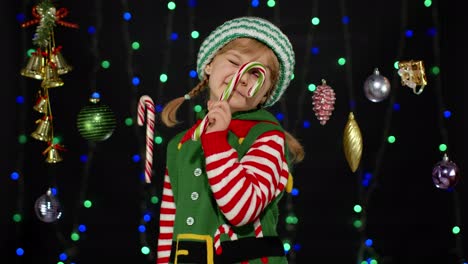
(219, 116)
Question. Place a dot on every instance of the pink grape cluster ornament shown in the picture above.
(323, 101)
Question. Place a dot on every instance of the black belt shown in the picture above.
(233, 251)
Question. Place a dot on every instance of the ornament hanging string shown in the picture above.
(230, 88)
(59, 14)
(146, 102)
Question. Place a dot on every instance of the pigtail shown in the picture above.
(169, 113)
(296, 150)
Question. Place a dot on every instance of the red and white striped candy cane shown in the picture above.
(223, 229)
(226, 229)
(147, 103)
(259, 233)
(230, 88)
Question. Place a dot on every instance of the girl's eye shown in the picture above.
(233, 62)
(256, 73)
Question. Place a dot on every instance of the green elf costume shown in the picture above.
(220, 193)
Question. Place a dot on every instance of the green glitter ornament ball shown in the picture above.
(96, 121)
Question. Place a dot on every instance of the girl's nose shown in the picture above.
(245, 79)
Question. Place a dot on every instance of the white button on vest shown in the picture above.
(190, 221)
(194, 196)
(197, 172)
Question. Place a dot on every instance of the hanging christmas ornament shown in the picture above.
(43, 130)
(59, 61)
(41, 103)
(35, 66)
(96, 121)
(412, 74)
(47, 61)
(51, 77)
(352, 143)
(445, 174)
(52, 152)
(146, 103)
(376, 87)
(46, 16)
(46, 64)
(48, 208)
(323, 101)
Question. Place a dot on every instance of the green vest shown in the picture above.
(196, 209)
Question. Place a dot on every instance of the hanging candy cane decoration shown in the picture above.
(147, 102)
(231, 86)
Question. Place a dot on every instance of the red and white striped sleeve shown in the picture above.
(166, 222)
(244, 188)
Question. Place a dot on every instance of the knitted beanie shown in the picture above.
(261, 30)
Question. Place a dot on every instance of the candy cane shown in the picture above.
(259, 233)
(223, 229)
(147, 102)
(231, 86)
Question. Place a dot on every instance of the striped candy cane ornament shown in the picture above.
(147, 103)
(231, 86)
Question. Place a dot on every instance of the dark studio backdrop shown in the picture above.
(405, 218)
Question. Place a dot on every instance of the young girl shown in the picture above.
(221, 190)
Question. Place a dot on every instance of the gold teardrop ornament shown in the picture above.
(352, 143)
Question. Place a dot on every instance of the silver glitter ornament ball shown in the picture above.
(48, 208)
(376, 87)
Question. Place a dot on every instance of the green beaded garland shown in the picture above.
(96, 122)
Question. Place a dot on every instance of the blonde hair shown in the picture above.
(243, 45)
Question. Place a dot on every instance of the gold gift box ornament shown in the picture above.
(412, 74)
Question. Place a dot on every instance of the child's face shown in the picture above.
(225, 65)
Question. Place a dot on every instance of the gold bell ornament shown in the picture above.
(51, 78)
(412, 74)
(43, 131)
(52, 152)
(35, 66)
(41, 103)
(57, 58)
(352, 143)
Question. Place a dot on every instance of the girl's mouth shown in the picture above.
(239, 93)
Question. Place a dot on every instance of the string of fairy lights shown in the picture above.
(135, 82)
(366, 254)
(346, 61)
(149, 192)
(18, 212)
(71, 241)
(443, 117)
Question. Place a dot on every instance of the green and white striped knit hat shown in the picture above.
(261, 30)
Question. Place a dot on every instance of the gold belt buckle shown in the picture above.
(208, 241)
